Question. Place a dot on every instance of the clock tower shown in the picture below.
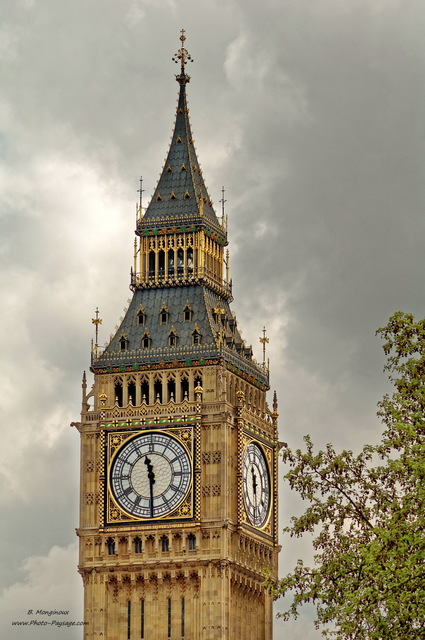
(178, 493)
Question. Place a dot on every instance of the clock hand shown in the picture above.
(254, 481)
(151, 477)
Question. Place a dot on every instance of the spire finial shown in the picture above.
(184, 56)
(140, 192)
(264, 341)
(139, 208)
(96, 321)
(223, 201)
(223, 217)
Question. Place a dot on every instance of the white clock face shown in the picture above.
(256, 485)
(150, 475)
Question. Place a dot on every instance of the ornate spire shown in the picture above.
(184, 56)
(179, 266)
(181, 197)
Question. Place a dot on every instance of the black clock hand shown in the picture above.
(151, 477)
(254, 481)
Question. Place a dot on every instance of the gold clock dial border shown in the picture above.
(116, 440)
(268, 456)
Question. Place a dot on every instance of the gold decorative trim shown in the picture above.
(186, 435)
(245, 441)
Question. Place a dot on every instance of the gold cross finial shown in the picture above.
(264, 340)
(96, 321)
(184, 56)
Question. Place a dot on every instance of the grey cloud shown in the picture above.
(309, 113)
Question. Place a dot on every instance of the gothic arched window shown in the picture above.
(196, 337)
(163, 316)
(157, 387)
(145, 390)
(141, 317)
(151, 263)
(118, 392)
(189, 260)
(171, 262)
(187, 313)
(184, 387)
(180, 261)
(172, 339)
(111, 546)
(171, 389)
(131, 392)
(161, 262)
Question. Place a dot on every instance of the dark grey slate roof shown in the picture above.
(220, 337)
(181, 187)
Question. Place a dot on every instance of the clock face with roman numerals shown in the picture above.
(150, 475)
(256, 485)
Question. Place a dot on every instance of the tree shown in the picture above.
(367, 512)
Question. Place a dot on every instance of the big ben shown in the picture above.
(178, 484)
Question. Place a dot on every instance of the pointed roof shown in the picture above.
(181, 194)
(211, 317)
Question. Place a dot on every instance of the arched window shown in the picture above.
(171, 262)
(146, 340)
(145, 391)
(138, 545)
(172, 339)
(111, 546)
(189, 259)
(163, 316)
(158, 390)
(131, 388)
(161, 262)
(184, 386)
(123, 343)
(150, 543)
(118, 392)
(151, 264)
(192, 542)
(230, 342)
(165, 543)
(180, 261)
(171, 389)
(187, 313)
(196, 337)
(141, 317)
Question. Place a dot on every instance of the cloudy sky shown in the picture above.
(310, 113)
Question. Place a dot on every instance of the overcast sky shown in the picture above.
(309, 112)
